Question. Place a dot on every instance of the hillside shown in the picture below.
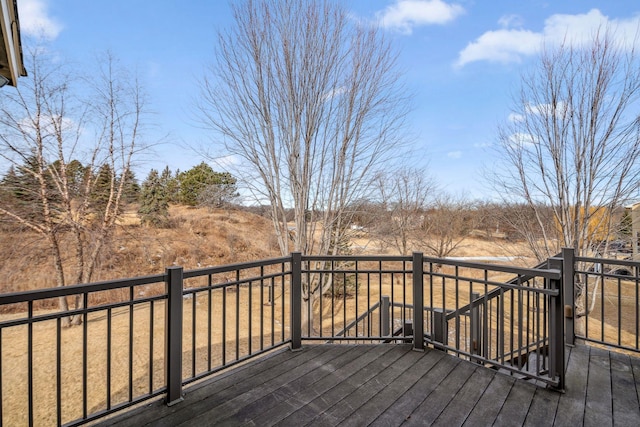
(198, 237)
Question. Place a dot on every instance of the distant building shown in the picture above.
(11, 61)
(634, 211)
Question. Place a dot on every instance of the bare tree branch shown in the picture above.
(311, 102)
(572, 149)
(43, 125)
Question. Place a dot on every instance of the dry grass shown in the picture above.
(147, 363)
(198, 238)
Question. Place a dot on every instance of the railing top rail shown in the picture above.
(382, 258)
(40, 294)
(495, 292)
(72, 312)
(621, 262)
(32, 295)
(523, 272)
(233, 267)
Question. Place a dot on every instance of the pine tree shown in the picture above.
(131, 188)
(170, 184)
(201, 185)
(154, 206)
(22, 190)
(102, 188)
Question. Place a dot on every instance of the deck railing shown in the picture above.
(49, 372)
(505, 317)
(135, 339)
(140, 338)
(515, 325)
(607, 308)
(358, 299)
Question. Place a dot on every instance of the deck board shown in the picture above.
(461, 405)
(392, 385)
(635, 368)
(372, 388)
(260, 394)
(543, 408)
(571, 406)
(396, 398)
(598, 408)
(406, 404)
(625, 403)
(444, 393)
(343, 389)
(515, 408)
(491, 402)
(302, 393)
(273, 364)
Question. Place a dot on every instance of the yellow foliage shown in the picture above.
(598, 228)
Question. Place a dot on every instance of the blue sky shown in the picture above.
(462, 61)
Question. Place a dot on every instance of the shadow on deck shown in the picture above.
(388, 385)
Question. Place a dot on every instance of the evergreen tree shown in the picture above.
(170, 184)
(220, 193)
(22, 190)
(7, 187)
(154, 206)
(202, 185)
(76, 177)
(102, 188)
(131, 191)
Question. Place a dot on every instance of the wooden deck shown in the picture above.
(389, 385)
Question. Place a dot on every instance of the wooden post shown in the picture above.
(385, 315)
(568, 286)
(475, 327)
(173, 335)
(296, 301)
(556, 324)
(440, 327)
(418, 302)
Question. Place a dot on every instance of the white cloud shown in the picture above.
(512, 45)
(46, 124)
(510, 21)
(404, 15)
(334, 92)
(501, 46)
(226, 162)
(49, 128)
(454, 154)
(515, 117)
(35, 21)
(522, 139)
(482, 144)
(561, 109)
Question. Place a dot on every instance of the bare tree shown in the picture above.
(447, 223)
(530, 224)
(44, 126)
(310, 101)
(572, 147)
(405, 195)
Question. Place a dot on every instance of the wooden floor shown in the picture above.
(389, 385)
